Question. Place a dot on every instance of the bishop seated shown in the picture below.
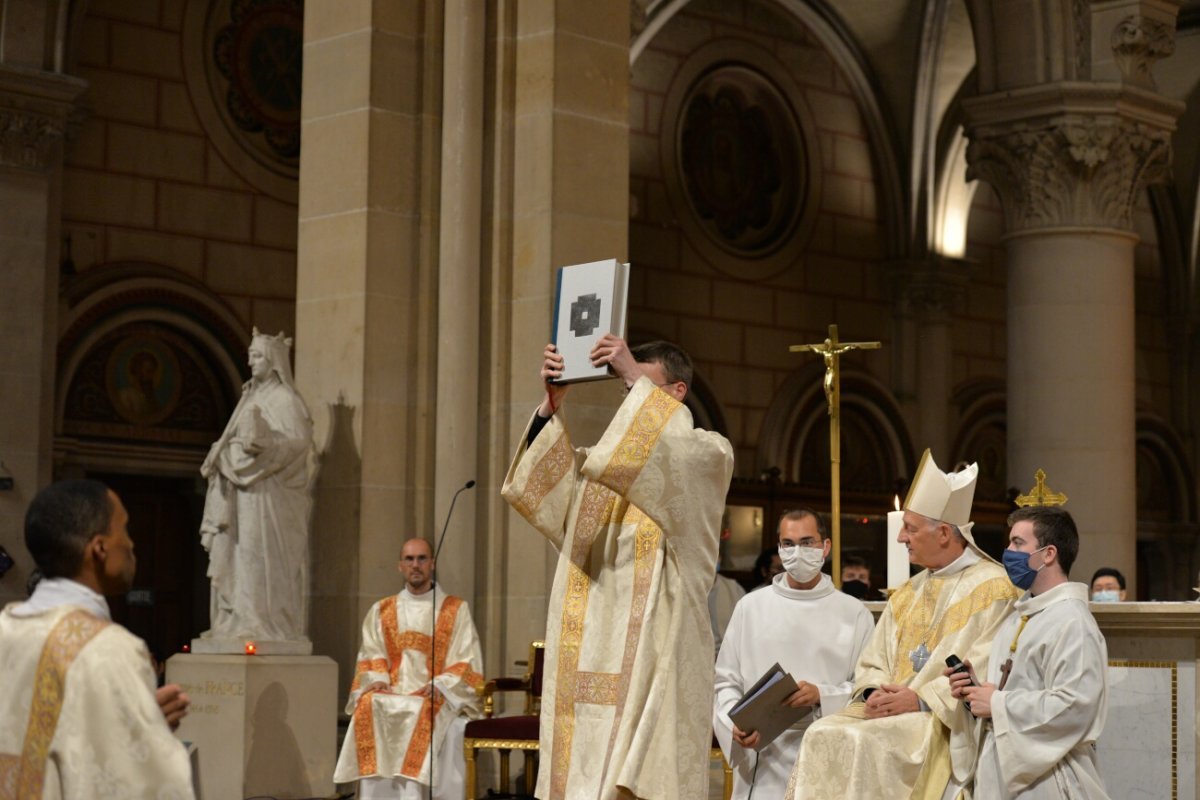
(901, 736)
(415, 686)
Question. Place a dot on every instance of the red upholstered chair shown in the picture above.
(505, 734)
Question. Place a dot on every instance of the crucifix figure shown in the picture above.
(831, 350)
(1041, 494)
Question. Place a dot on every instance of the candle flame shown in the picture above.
(896, 499)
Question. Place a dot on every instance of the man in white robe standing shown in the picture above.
(1046, 697)
(79, 716)
(398, 715)
(814, 632)
(627, 693)
(901, 737)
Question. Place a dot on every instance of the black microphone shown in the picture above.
(433, 632)
(468, 485)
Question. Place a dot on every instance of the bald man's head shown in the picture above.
(416, 565)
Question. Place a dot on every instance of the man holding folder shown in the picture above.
(812, 631)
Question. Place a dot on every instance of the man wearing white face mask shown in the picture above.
(813, 631)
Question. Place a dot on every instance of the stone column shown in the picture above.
(34, 106)
(561, 189)
(1068, 161)
(459, 286)
(926, 294)
(366, 305)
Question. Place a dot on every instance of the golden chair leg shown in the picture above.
(530, 771)
(728, 793)
(470, 789)
(505, 785)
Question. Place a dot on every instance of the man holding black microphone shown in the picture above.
(1046, 696)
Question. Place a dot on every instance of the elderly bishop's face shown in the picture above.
(920, 535)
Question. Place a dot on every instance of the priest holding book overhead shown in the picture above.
(636, 521)
(807, 627)
(902, 736)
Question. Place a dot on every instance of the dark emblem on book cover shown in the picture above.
(585, 315)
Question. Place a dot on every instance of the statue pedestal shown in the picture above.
(230, 645)
(262, 725)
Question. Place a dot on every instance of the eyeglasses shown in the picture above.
(807, 541)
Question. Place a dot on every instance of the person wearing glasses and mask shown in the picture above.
(814, 632)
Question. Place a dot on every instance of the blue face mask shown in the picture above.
(1016, 564)
(1106, 596)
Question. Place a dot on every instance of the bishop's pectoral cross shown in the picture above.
(831, 350)
(919, 657)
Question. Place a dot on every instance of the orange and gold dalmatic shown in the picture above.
(600, 508)
(397, 642)
(23, 777)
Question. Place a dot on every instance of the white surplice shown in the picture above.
(1040, 744)
(92, 729)
(388, 741)
(722, 598)
(954, 610)
(816, 635)
(629, 661)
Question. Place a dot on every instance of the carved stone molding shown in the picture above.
(929, 290)
(1138, 42)
(1073, 171)
(27, 140)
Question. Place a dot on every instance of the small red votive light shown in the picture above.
(251, 649)
(187, 648)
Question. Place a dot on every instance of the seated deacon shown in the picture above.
(897, 737)
(814, 632)
(407, 723)
(1108, 586)
(1044, 703)
(79, 716)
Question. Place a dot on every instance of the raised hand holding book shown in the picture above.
(589, 302)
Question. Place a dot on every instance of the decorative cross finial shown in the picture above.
(1041, 494)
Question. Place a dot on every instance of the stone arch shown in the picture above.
(873, 432)
(981, 437)
(193, 345)
(830, 31)
(1165, 483)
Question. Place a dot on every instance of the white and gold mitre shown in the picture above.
(944, 497)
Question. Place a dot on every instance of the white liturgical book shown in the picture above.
(589, 302)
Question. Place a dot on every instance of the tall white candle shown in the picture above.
(897, 554)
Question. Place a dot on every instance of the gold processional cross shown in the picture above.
(831, 350)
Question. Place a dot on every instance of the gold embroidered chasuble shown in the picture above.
(913, 755)
(629, 667)
(391, 730)
(78, 717)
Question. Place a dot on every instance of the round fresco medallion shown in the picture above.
(742, 160)
(143, 379)
(259, 55)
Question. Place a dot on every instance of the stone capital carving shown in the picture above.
(929, 290)
(28, 140)
(1071, 171)
(1137, 43)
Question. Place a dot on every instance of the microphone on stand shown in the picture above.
(433, 632)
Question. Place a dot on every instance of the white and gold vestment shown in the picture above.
(954, 610)
(629, 648)
(78, 716)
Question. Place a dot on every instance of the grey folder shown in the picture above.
(761, 707)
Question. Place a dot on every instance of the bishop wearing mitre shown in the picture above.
(900, 736)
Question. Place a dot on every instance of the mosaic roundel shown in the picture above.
(740, 155)
(257, 54)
